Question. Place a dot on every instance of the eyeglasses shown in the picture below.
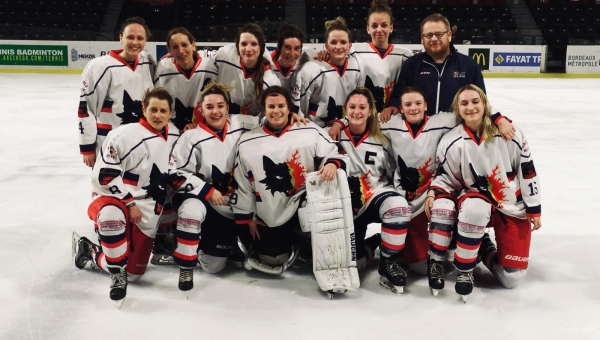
(438, 35)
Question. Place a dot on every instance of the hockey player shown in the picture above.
(112, 90)
(495, 184)
(271, 164)
(129, 181)
(201, 171)
(322, 87)
(370, 168)
(184, 74)
(244, 67)
(380, 61)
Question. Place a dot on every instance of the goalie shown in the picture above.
(271, 166)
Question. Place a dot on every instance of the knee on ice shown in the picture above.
(510, 277)
(211, 264)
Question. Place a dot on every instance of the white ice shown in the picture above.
(45, 191)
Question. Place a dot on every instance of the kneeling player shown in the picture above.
(496, 186)
(271, 165)
(200, 171)
(374, 200)
(129, 181)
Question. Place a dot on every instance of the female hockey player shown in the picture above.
(380, 61)
(129, 181)
(112, 90)
(495, 184)
(285, 59)
(244, 67)
(271, 165)
(184, 75)
(322, 87)
(370, 168)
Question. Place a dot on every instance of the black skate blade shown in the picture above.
(385, 283)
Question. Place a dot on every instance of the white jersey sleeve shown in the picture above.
(528, 182)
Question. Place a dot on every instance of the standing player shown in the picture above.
(129, 181)
(440, 71)
(380, 61)
(374, 200)
(496, 185)
(184, 75)
(113, 87)
(271, 165)
(244, 67)
(322, 87)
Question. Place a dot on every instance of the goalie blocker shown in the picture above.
(328, 217)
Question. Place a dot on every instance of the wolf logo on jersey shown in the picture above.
(156, 189)
(132, 110)
(334, 111)
(223, 182)
(183, 115)
(360, 190)
(490, 186)
(285, 177)
(380, 93)
(409, 179)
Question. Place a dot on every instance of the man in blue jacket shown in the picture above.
(439, 72)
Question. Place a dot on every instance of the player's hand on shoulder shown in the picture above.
(387, 113)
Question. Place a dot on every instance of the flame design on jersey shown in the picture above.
(388, 91)
(425, 176)
(197, 116)
(297, 171)
(490, 186)
(496, 186)
(361, 190)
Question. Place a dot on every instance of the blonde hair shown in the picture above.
(373, 121)
(486, 127)
(215, 87)
(337, 24)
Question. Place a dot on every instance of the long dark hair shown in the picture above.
(259, 72)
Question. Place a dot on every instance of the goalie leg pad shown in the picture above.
(328, 215)
(395, 218)
(443, 215)
(191, 214)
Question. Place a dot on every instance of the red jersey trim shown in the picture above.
(147, 125)
(389, 49)
(115, 54)
(193, 68)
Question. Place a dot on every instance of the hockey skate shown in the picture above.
(464, 284)
(163, 248)
(236, 258)
(486, 248)
(118, 285)
(83, 251)
(393, 277)
(435, 272)
(186, 280)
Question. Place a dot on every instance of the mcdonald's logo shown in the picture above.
(481, 57)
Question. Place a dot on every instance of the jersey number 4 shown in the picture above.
(81, 127)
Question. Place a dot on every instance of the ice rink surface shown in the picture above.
(46, 190)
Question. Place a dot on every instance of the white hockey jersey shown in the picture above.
(370, 168)
(414, 154)
(288, 79)
(186, 92)
(270, 170)
(379, 73)
(111, 95)
(320, 90)
(202, 162)
(501, 171)
(133, 165)
(232, 72)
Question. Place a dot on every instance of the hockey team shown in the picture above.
(260, 160)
